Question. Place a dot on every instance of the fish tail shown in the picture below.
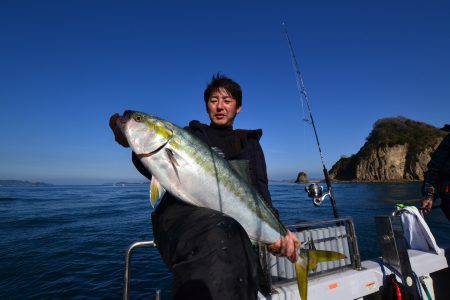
(302, 279)
(308, 261)
(324, 256)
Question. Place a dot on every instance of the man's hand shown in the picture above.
(287, 246)
(427, 204)
(118, 135)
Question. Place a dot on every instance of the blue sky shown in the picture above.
(66, 66)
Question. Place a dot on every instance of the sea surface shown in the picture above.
(70, 241)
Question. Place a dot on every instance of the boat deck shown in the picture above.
(352, 284)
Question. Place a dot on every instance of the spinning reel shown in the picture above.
(316, 193)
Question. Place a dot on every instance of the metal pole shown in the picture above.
(356, 257)
(303, 93)
(158, 295)
(126, 288)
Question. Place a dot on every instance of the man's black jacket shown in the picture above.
(438, 173)
(436, 182)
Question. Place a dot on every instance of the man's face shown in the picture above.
(222, 108)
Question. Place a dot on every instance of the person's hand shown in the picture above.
(118, 135)
(287, 246)
(427, 204)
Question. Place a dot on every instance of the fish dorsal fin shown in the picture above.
(156, 191)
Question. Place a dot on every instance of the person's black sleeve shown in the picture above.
(262, 181)
(140, 167)
(439, 163)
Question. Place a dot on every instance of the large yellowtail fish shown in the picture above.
(183, 165)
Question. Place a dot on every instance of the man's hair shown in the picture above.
(221, 81)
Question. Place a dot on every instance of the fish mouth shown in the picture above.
(127, 115)
(122, 120)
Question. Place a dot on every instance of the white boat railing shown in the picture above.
(126, 287)
(335, 235)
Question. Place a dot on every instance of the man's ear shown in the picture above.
(239, 109)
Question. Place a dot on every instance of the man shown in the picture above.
(437, 178)
(209, 253)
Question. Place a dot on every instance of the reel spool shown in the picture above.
(316, 193)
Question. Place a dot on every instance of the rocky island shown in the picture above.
(397, 149)
(302, 178)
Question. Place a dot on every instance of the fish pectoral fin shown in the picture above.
(156, 191)
(173, 162)
(302, 279)
(323, 255)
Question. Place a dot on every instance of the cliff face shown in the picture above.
(383, 163)
(397, 149)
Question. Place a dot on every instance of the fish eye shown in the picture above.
(138, 118)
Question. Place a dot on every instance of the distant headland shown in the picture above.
(126, 183)
(22, 183)
(396, 150)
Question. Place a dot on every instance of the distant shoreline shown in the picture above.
(124, 183)
(347, 181)
(22, 183)
(378, 181)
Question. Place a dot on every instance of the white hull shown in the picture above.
(352, 284)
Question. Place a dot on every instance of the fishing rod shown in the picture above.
(314, 191)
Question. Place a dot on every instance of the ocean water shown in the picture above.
(70, 241)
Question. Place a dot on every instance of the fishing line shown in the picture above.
(304, 96)
(208, 142)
